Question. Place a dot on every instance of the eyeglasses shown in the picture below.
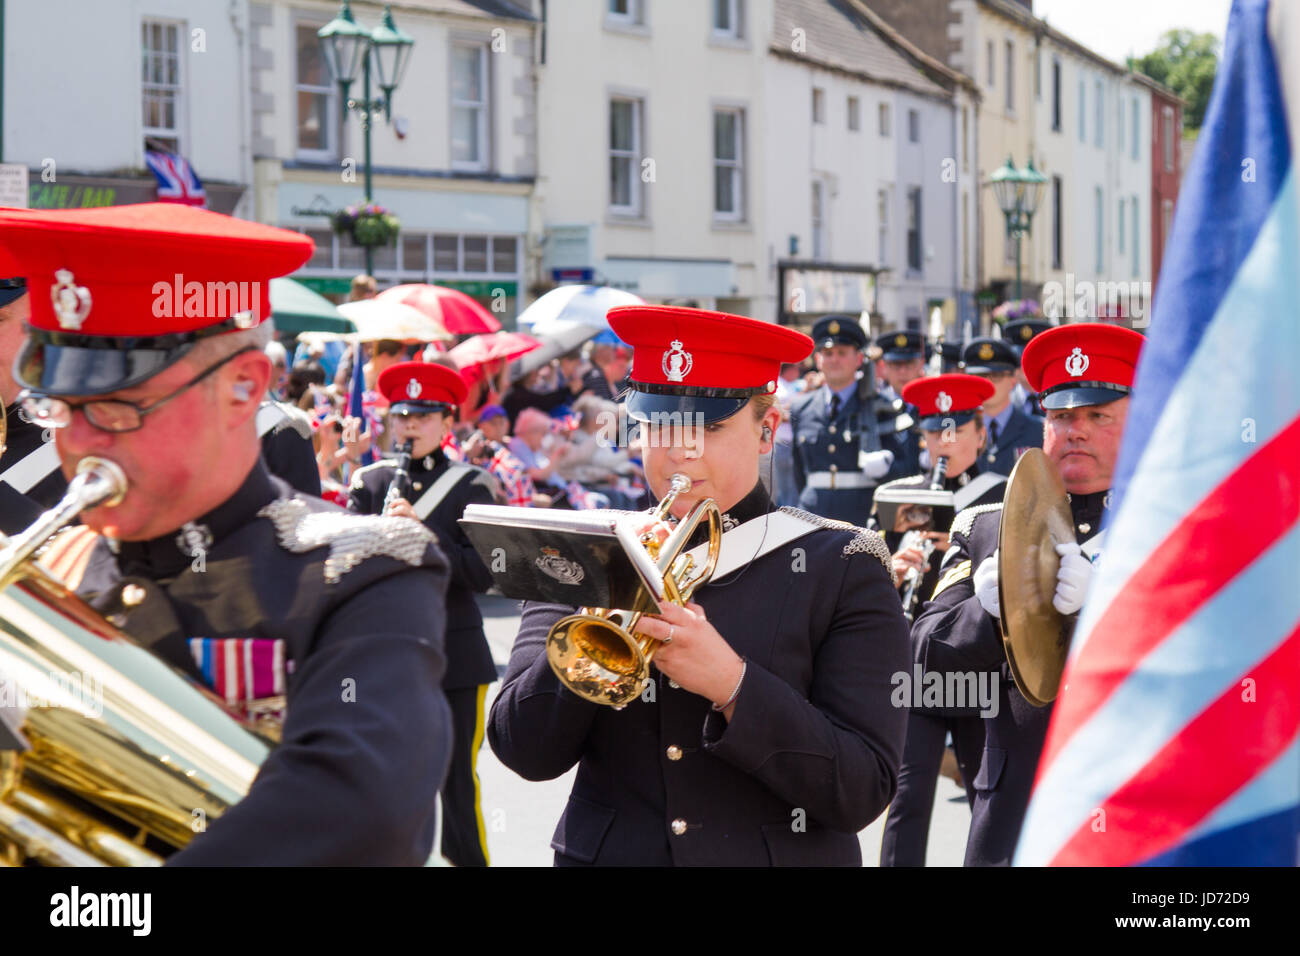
(110, 414)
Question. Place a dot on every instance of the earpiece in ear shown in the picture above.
(767, 433)
(241, 391)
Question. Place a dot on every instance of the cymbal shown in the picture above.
(1035, 518)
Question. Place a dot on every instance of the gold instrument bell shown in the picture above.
(597, 653)
(107, 755)
(1035, 519)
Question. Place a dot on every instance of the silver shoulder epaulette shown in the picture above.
(351, 538)
(863, 541)
(965, 519)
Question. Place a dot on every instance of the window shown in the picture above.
(1122, 217)
(1100, 213)
(161, 83)
(318, 109)
(1168, 118)
(914, 228)
(1083, 112)
(624, 155)
(1010, 92)
(1137, 129)
(728, 164)
(1133, 204)
(1166, 226)
(469, 106)
(913, 126)
(624, 13)
(728, 19)
(819, 105)
(818, 219)
(474, 253)
(1119, 126)
(991, 67)
(854, 119)
(886, 124)
(1056, 95)
(1058, 226)
(446, 253)
(965, 139)
(882, 220)
(1099, 131)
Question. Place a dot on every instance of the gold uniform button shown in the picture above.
(417, 486)
(679, 826)
(674, 752)
(132, 595)
(674, 685)
(834, 468)
(831, 449)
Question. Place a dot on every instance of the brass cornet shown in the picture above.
(597, 653)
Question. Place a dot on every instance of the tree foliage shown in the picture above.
(1186, 63)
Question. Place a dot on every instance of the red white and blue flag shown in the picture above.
(1175, 739)
(177, 181)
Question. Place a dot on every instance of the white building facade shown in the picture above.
(456, 163)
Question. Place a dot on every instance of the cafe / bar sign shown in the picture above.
(84, 192)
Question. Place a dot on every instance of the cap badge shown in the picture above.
(1077, 363)
(943, 401)
(413, 388)
(1026, 332)
(71, 301)
(245, 320)
(833, 328)
(900, 340)
(676, 363)
(986, 351)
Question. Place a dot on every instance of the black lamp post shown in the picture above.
(1018, 192)
(348, 47)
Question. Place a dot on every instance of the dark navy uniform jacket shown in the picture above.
(954, 633)
(469, 659)
(352, 781)
(1022, 432)
(809, 758)
(18, 508)
(823, 445)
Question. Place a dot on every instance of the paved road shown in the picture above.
(520, 815)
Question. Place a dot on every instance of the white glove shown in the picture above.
(1072, 578)
(986, 585)
(875, 464)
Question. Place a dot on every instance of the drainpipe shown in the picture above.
(2, 80)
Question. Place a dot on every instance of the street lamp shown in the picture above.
(347, 46)
(1018, 192)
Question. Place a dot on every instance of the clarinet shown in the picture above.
(912, 582)
(401, 479)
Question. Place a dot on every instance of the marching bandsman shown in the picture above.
(902, 360)
(1082, 374)
(953, 426)
(208, 557)
(1019, 333)
(846, 437)
(30, 480)
(767, 735)
(423, 397)
(1011, 431)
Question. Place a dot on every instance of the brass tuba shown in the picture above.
(108, 756)
(597, 653)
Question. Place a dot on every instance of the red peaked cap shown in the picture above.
(695, 362)
(953, 398)
(417, 387)
(1083, 363)
(118, 293)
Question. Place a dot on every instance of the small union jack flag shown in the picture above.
(177, 181)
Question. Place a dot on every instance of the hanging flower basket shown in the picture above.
(369, 225)
(1018, 309)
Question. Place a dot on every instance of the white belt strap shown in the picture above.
(839, 479)
(753, 539)
(1092, 547)
(26, 474)
(438, 490)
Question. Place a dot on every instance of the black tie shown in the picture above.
(835, 406)
(993, 434)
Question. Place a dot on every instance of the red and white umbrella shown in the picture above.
(457, 312)
(482, 349)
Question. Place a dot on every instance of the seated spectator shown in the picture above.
(538, 390)
(304, 375)
(611, 363)
(487, 449)
(532, 435)
(593, 459)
